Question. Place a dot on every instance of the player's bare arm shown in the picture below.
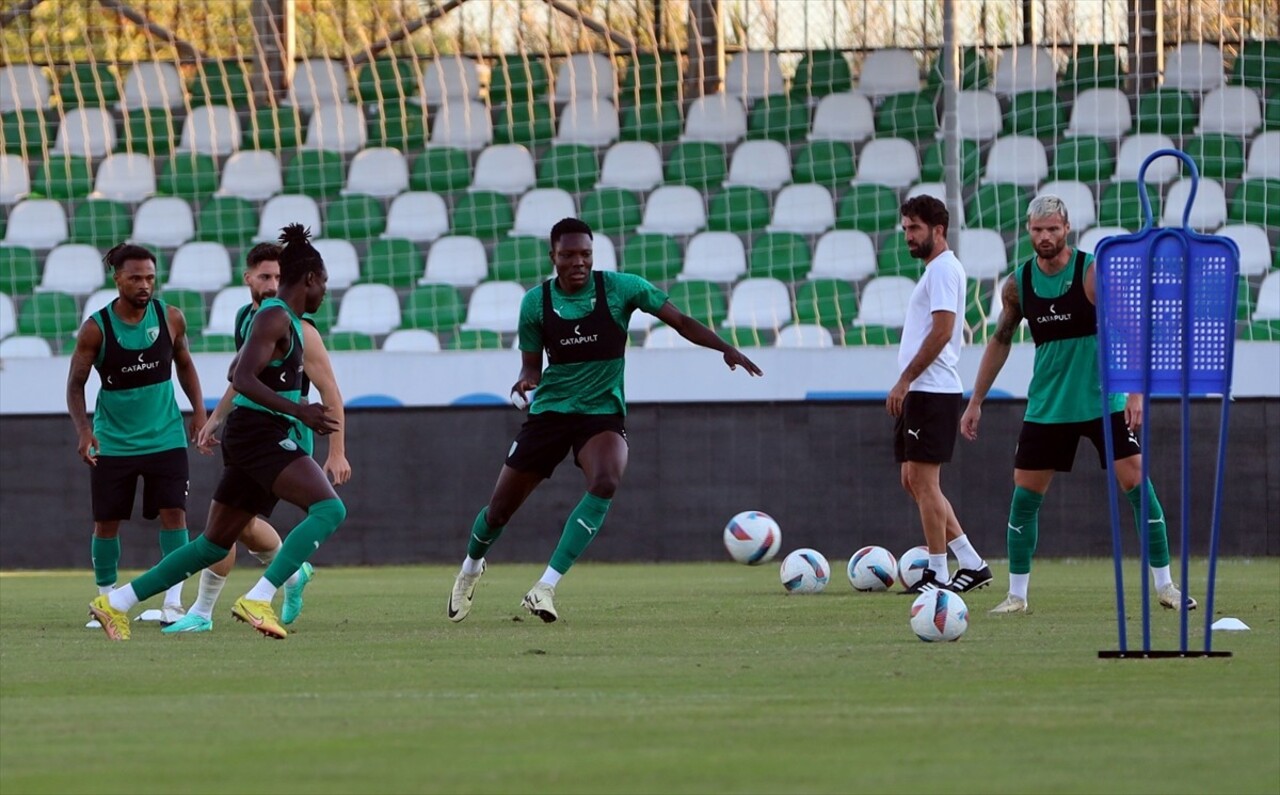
(188, 376)
(993, 358)
(319, 368)
(88, 345)
(939, 333)
(269, 339)
(697, 333)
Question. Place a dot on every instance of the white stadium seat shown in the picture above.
(633, 165)
(25, 348)
(1082, 212)
(715, 118)
(494, 306)
(504, 168)
(1264, 156)
(604, 256)
(125, 177)
(1024, 69)
(251, 174)
(23, 87)
(983, 253)
(714, 257)
(1208, 212)
(804, 335)
(411, 340)
(211, 130)
(152, 84)
(763, 303)
(319, 81)
(459, 260)
(450, 77)
(340, 260)
(164, 221)
(1090, 239)
(465, 125)
(884, 301)
(202, 266)
(368, 309)
(378, 171)
(336, 128)
(760, 164)
(585, 76)
(73, 268)
(1135, 148)
(1194, 66)
(807, 209)
(15, 180)
(8, 316)
(85, 132)
(222, 312)
(893, 162)
(1268, 305)
(889, 71)
(280, 211)
(666, 337)
(1231, 110)
(1255, 248)
(753, 74)
(843, 117)
(1017, 159)
(978, 116)
(540, 209)
(844, 254)
(674, 210)
(36, 223)
(1100, 113)
(97, 300)
(589, 121)
(419, 216)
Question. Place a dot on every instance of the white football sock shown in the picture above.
(1018, 585)
(106, 589)
(266, 556)
(938, 563)
(965, 553)
(123, 598)
(550, 577)
(470, 566)
(1162, 575)
(173, 596)
(264, 591)
(207, 595)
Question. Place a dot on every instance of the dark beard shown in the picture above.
(924, 251)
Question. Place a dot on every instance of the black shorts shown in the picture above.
(114, 481)
(1053, 445)
(545, 438)
(256, 447)
(926, 430)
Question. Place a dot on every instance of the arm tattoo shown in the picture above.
(1011, 314)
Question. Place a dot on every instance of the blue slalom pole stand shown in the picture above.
(1166, 301)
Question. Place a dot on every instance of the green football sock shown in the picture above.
(173, 539)
(1157, 533)
(482, 535)
(1024, 529)
(322, 519)
(106, 560)
(178, 566)
(582, 526)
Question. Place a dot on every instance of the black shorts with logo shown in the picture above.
(546, 438)
(114, 481)
(256, 447)
(1044, 445)
(926, 430)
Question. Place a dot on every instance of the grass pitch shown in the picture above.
(658, 678)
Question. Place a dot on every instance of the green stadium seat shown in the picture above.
(101, 223)
(1218, 157)
(702, 301)
(188, 175)
(571, 167)
(981, 334)
(911, 115)
(745, 337)
(653, 257)
(315, 173)
(1260, 331)
(349, 341)
(440, 169)
(192, 306)
(696, 163)
(385, 81)
(975, 73)
(149, 131)
(354, 218)
(738, 208)
(832, 303)
(1022, 250)
(529, 123)
(23, 132)
(519, 259)
(53, 316)
(1093, 66)
(399, 125)
(272, 128)
(434, 307)
(212, 343)
(394, 262)
(1167, 111)
(1244, 300)
(323, 318)
(652, 76)
(977, 302)
(778, 118)
(228, 220)
(1271, 112)
(932, 164)
(474, 340)
(1257, 65)
(658, 122)
(63, 177)
(997, 206)
(482, 214)
(20, 270)
(828, 163)
(1034, 113)
(611, 211)
(780, 255)
(1119, 205)
(868, 208)
(517, 79)
(89, 85)
(1083, 160)
(894, 259)
(873, 335)
(221, 83)
(1256, 201)
(819, 73)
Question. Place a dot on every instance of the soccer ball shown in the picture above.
(939, 615)
(911, 566)
(805, 571)
(752, 538)
(872, 569)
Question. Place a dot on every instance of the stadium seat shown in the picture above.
(15, 181)
(224, 307)
(482, 214)
(368, 309)
(1232, 110)
(72, 268)
(937, 190)
(22, 132)
(846, 254)
(275, 129)
(604, 255)
(714, 257)
(20, 270)
(411, 340)
(251, 174)
(807, 209)
(674, 210)
(633, 165)
(1023, 69)
(394, 262)
(1256, 201)
(420, 216)
(803, 335)
(780, 255)
(101, 222)
(220, 83)
(540, 209)
(67, 177)
(666, 337)
(738, 208)
(435, 308)
(440, 169)
(821, 73)
(715, 118)
(350, 341)
(354, 218)
(494, 306)
(591, 122)
(1216, 156)
(1267, 306)
(25, 347)
(884, 302)
(504, 168)
(36, 223)
(8, 316)
(400, 126)
(23, 87)
(696, 164)
(911, 116)
(641, 322)
(125, 177)
(1101, 113)
(1090, 239)
(318, 82)
(1209, 211)
(652, 120)
(1264, 156)
(100, 298)
(868, 208)
(843, 117)
(997, 205)
(831, 303)
(1119, 205)
(978, 116)
(153, 84)
(892, 162)
(474, 340)
(1017, 160)
(932, 164)
(201, 266)
(190, 176)
(753, 74)
(1255, 248)
(651, 256)
(229, 220)
(149, 131)
(1166, 111)
(1134, 150)
(585, 76)
(975, 72)
(760, 164)
(462, 125)
(456, 260)
(190, 303)
(895, 259)
(336, 128)
(888, 71)
(828, 163)
(316, 173)
(778, 118)
(386, 81)
(1193, 66)
(211, 130)
(53, 316)
(1092, 66)
(280, 211)
(379, 171)
(520, 259)
(703, 301)
(448, 78)
(1081, 212)
(517, 79)
(1085, 159)
(611, 211)
(85, 132)
(571, 167)
(652, 75)
(529, 123)
(983, 253)
(1034, 113)
(340, 260)
(759, 303)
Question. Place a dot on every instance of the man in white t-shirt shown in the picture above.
(927, 398)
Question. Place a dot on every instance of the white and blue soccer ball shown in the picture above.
(752, 537)
(939, 615)
(873, 569)
(911, 566)
(805, 571)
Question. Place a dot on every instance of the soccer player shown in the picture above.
(135, 343)
(1055, 292)
(580, 318)
(926, 399)
(262, 275)
(263, 463)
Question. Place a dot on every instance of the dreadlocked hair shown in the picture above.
(297, 257)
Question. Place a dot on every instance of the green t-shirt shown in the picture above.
(585, 387)
(142, 420)
(1065, 386)
(290, 366)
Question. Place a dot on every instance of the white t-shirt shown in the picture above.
(941, 288)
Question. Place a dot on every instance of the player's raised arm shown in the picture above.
(697, 333)
(993, 357)
(88, 346)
